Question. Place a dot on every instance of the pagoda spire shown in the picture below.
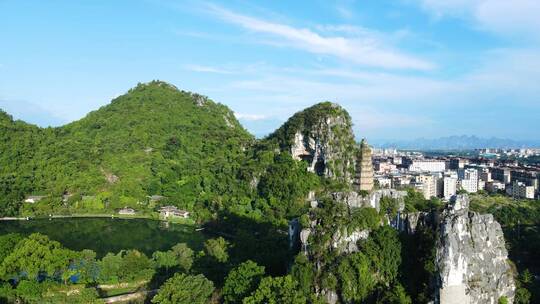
(364, 168)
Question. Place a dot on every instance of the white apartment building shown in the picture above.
(468, 180)
(520, 190)
(450, 182)
(429, 185)
(427, 165)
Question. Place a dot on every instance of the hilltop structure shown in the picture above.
(364, 168)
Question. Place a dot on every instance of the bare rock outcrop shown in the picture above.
(354, 200)
(472, 259)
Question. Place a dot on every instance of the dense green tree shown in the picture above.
(389, 206)
(303, 271)
(34, 255)
(135, 265)
(88, 267)
(8, 243)
(165, 259)
(29, 291)
(183, 255)
(396, 294)
(242, 281)
(109, 267)
(217, 248)
(184, 289)
(355, 276)
(276, 290)
(383, 249)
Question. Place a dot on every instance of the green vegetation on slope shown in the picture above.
(154, 140)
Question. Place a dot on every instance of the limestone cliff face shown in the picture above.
(471, 257)
(354, 200)
(322, 136)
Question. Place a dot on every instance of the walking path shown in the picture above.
(129, 296)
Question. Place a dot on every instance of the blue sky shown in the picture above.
(402, 68)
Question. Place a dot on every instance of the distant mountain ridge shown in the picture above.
(462, 142)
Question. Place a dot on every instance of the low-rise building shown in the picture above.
(173, 212)
(385, 167)
(495, 186)
(127, 211)
(383, 182)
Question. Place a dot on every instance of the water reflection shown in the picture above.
(109, 235)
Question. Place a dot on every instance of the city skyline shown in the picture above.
(403, 69)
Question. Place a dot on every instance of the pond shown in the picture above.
(104, 235)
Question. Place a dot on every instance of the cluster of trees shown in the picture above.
(35, 269)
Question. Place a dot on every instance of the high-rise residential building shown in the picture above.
(527, 177)
(468, 180)
(428, 184)
(521, 190)
(450, 181)
(364, 168)
(501, 174)
(484, 175)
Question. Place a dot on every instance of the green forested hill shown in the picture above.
(153, 140)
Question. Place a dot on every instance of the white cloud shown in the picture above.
(506, 17)
(362, 50)
(206, 69)
(250, 117)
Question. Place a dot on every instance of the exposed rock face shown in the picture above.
(348, 242)
(363, 180)
(322, 136)
(409, 222)
(471, 257)
(354, 200)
